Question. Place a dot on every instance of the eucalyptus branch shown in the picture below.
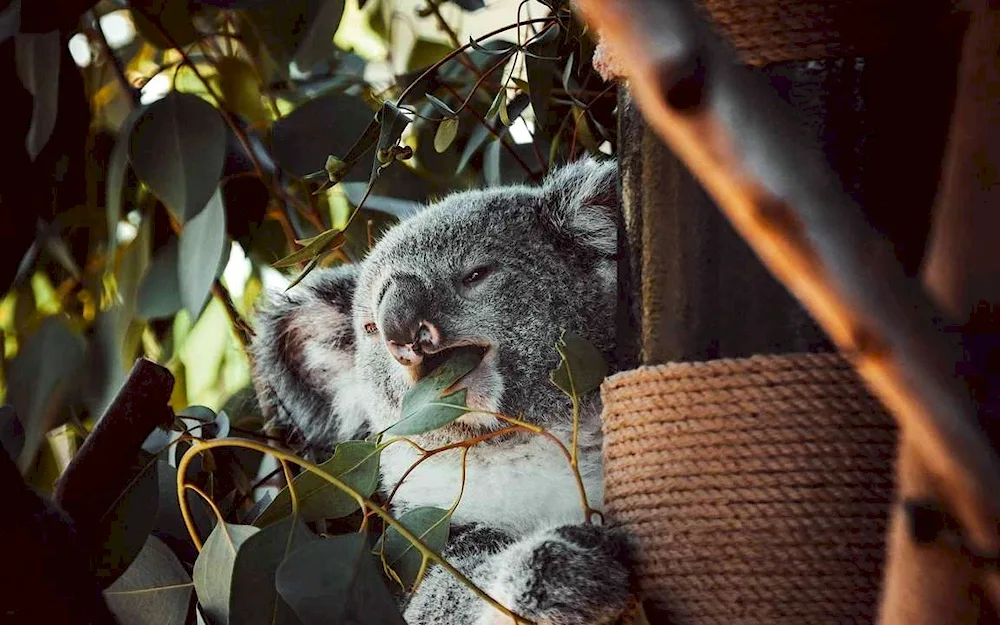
(363, 502)
(726, 124)
(240, 327)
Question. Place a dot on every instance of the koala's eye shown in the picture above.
(476, 275)
(371, 328)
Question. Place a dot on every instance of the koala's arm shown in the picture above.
(303, 357)
(569, 575)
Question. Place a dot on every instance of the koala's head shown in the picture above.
(504, 270)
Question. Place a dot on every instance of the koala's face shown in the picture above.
(502, 271)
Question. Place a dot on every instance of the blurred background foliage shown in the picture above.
(194, 153)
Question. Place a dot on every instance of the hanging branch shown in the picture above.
(770, 179)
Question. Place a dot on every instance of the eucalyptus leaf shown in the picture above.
(446, 133)
(200, 251)
(356, 463)
(10, 20)
(37, 57)
(213, 570)
(335, 580)
(302, 140)
(155, 590)
(440, 105)
(39, 377)
(159, 294)
(491, 164)
(431, 526)
(424, 407)
(317, 42)
(582, 367)
(254, 599)
(320, 244)
(392, 123)
(178, 148)
(126, 526)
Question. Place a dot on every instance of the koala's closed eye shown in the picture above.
(477, 274)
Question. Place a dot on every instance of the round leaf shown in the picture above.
(125, 528)
(178, 148)
(159, 293)
(424, 409)
(582, 367)
(302, 140)
(154, 589)
(446, 132)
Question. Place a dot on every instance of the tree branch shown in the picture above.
(771, 180)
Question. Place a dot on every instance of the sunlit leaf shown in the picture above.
(213, 570)
(582, 367)
(446, 133)
(37, 56)
(201, 248)
(241, 89)
(431, 526)
(155, 590)
(424, 408)
(335, 580)
(39, 377)
(178, 148)
(124, 529)
(356, 463)
(254, 599)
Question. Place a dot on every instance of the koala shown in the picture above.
(502, 271)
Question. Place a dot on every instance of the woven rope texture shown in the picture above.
(759, 489)
(767, 31)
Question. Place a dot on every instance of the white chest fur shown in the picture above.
(517, 485)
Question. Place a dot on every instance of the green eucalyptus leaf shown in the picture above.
(316, 246)
(440, 105)
(126, 526)
(155, 590)
(431, 526)
(200, 252)
(254, 599)
(425, 408)
(392, 123)
(316, 44)
(446, 133)
(159, 294)
(581, 368)
(37, 57)
(302, 140)
(213, 570)
(178, 147)
(491, 164)
(335, 580)
(356, 463)
(39, 378)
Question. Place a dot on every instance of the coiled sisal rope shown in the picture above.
(758, 489)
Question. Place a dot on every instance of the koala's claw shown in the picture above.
(571, 575)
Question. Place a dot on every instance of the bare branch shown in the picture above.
(771, 180)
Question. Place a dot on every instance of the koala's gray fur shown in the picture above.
(505, 268)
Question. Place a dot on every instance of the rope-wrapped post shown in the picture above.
(773, 184)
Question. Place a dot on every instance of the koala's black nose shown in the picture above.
(407, 332)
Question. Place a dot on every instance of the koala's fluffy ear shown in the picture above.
(303, 356)
(582, 203)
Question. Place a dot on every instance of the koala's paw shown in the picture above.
(571, 575)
